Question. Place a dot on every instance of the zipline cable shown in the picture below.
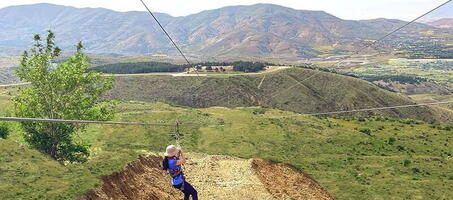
(177, 134)
(178, 124)
(366, 109)
(169, 37)
(19, 119)
(365, 47)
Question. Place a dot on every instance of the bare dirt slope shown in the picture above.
(222, 177)
(286, 182)
(215, 177)
(141, 179)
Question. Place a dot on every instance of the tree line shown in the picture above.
(153, 67)
(240, 66)
(139, 68)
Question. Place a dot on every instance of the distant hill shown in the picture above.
(443, 23)
(324, 93)
(262, 30)
(7, 75)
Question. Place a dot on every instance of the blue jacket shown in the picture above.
(175, 172)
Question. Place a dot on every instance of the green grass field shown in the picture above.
(438, 70)
(353, 158)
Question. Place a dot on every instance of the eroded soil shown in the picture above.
(215, 177)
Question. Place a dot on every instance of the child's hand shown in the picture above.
(179, 152)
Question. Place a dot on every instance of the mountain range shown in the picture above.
(261, 30)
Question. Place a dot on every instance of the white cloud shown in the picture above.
(346, 9)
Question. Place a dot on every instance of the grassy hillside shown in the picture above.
(400, 159)
(285, 89)
(423, 98)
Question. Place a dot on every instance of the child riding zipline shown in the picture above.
(172, 162)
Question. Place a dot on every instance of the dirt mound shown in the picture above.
(286, 182)
(215, 177)
(142, 179)
(224, 177)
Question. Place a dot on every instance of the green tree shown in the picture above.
(59, 91)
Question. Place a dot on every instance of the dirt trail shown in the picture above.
(270, 69)
(215, 177)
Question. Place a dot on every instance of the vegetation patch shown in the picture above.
(346, 162)
(4, 130)
(138, 68)
(153, 67)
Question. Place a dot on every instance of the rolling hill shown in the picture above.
(262, 30)
(284, 89)
(7, 75)
(442, 23)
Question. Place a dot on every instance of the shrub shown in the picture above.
(416, 170)
(406, 163)
(259, 111)
(391, 141)
(400, 148)
(4, 130)
(366, 131)
(361, 119)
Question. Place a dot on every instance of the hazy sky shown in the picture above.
(346, 9)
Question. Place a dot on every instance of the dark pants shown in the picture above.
(188, 190)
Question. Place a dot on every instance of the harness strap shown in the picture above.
(177, 172)
(173, 175)
(176, 175)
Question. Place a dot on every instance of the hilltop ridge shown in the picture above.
(283, 89)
